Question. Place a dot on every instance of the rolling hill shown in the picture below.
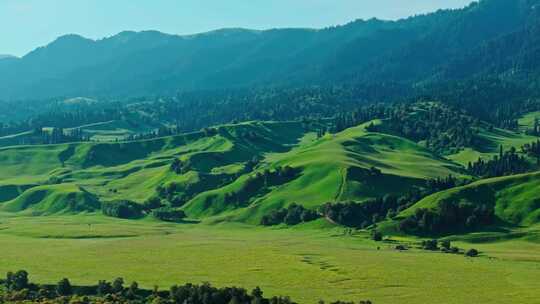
(515, 198)
(218, 164)
(244, 172)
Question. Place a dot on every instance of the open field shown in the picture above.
(527, 121)
(307, 262)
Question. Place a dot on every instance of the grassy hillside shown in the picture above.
(333, 168)
(239, 173)
(516, 199)
(53, 199)
(489, 143)
(336, 167)
(526, 122)
(133, 170)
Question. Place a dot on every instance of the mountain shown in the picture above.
(420, 49)
(6, 57)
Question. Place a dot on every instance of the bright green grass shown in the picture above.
(332, 170)
(133, 170)
(527, 121)
(516, 198)
(50, 199)
(308, 263)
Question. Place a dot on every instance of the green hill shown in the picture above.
(52, 199)
(489, 143)
(514, 199)
(222, 170)
(333, 168)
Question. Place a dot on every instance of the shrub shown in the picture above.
(293, 215)
(472, 253)
(376, 236)
(445, 245)
(152, 203)
(450, 216)
(168, 214)
(401, 248)
(63, 288)
(430, 245)
(122, 209)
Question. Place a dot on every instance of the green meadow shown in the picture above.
(51, 224)
(309, 262)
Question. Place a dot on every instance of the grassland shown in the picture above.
(331, 168)
(309, 263)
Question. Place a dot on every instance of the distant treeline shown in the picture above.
(443, 127)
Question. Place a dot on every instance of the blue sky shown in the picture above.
(27, 24)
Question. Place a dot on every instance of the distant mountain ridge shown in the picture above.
(419, 49)
(6, 56)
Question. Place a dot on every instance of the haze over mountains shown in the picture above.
(496, 38)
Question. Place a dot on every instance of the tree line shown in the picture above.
(533, 150)
(294, 214)
(369, 212)
(449, 216)
(506, 163)
(17, 288)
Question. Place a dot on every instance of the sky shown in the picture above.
(27, 24)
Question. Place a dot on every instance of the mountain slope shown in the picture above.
(410, 50)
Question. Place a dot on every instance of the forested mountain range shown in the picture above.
(491, 38)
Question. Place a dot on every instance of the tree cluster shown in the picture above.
(506, 163)
(535, 130)
(122, 209)
(17, 288)
(442, 128)
(533, 150)
(449, 217)
(180, 167)
(292, 215)
(260, 182)
(168, 214)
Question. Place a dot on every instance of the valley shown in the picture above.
(222, 179)
(278, 152)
